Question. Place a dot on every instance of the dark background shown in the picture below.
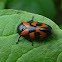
(50, 8)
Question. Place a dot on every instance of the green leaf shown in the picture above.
(48, 50)
(60, 26)
(2, 4)
(61, 4)
(43, 7)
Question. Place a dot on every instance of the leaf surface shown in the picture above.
(48, 50)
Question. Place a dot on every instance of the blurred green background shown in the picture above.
(50, 8)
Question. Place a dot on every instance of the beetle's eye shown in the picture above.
(23, 29)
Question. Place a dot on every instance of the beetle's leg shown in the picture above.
(27, 38)
(31, 20)
(18, 40)
(31, 42)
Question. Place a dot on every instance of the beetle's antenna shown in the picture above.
(32, 18)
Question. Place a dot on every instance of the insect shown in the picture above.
(33, 30)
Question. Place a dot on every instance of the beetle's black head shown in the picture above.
(20, 28)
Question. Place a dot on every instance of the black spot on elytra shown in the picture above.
(37, 35)
(39, 24)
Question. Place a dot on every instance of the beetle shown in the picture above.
(33, 30)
